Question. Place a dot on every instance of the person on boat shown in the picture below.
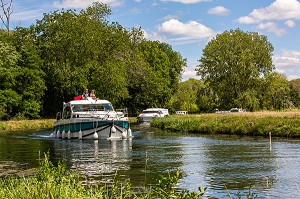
(92, 95)
(85, 94)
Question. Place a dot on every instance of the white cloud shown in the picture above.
(27, 14)
(191, 30)
(84, 3)
(168, 17)
(278, 10)
(288, 62)
(271, 27)
(185, 1)
(219, 10)
(290, 23)
(154, 36)
(189, 72)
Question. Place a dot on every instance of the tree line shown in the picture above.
(66, 51)
(236, 70)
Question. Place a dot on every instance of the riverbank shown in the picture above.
(14, 125)
(280, 124)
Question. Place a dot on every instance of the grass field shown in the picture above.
(281, 124)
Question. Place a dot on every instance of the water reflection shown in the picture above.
(224, 164)
(95, 158)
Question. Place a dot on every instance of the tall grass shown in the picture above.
(281, 124)
(57, 182)
(26, 124)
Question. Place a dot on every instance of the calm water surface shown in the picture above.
(226, 165)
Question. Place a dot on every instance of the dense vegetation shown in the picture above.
(57, 182)
(279, 124)
(67, 51)
(52, 61)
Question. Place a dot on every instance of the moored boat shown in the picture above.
(150, 113)
(91, 119)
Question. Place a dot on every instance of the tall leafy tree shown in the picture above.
(233, 63)
(159, 73)
(81, 50)
(295, 92)
(9, 70)
(276, 92)
(30, 81)
(185, 98)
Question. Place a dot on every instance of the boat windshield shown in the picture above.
(159, 112)
(92, 107)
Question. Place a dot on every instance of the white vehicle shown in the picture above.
(150, 113)
(236, 110)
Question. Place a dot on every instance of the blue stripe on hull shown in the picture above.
(75, 127)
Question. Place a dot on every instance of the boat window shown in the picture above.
(67, 112)
(159, 112)
(92, 107)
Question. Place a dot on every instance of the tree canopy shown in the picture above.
(67, 51)
(234, 64)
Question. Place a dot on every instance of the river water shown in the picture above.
(226, 165)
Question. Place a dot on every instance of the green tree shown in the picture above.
(295, 92)
(30, 81)
(82, 50)
(276, 92)
(186, 96)
(9, 70)
(157, 74)
(234, 62)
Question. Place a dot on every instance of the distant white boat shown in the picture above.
(91, 119)
(150, 113)
(236, 110)
(181, 112)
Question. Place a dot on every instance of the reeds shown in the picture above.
(58, 182)
(280, 124)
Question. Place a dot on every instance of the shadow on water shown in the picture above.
(226, 165)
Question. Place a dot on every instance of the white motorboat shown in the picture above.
(150, 113)
(91, 119)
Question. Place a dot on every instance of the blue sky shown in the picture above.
(187, 25)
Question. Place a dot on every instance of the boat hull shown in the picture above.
(91, 129)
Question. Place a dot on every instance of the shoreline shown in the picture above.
(279, 124)
(16, 125)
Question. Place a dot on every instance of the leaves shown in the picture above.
(234, 62)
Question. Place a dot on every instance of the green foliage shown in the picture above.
(154, 73)
(186, 96)
(234, 62)
(234, 123)
(58, 182)
(67, 51)
(276, 91)
(14, 125)
(295, 92)
(21, 77)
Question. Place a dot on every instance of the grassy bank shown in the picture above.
(281, 124)
(14, 125)
(58, 182)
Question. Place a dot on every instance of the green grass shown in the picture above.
(281, 124)
(14, 125)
